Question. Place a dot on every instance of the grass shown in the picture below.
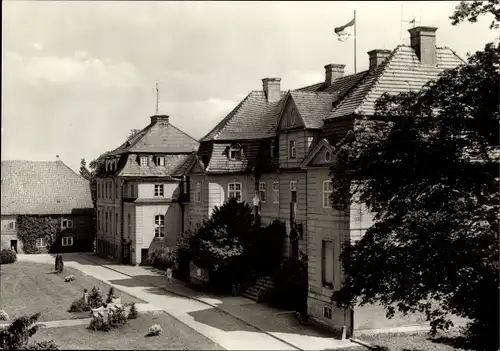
(413, 341)
(27, 288)
(175, 336)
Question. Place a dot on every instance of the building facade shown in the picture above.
(139, 192)
(51, 190)
(279, 147)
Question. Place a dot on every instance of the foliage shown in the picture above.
(95, 298)
(132, 313)
(429, 173)
(290, 286)
(155, 330)
(163, 258)
(3, 315)
(133, 133)
(97, 323)
(183, 254)
(471, 10)
(111, 295)
(59, 263)
(16, 335)
(116, 319)
(8, 256)
(265, 252)
(79, 305)
(30, 228)
(84, 172)
(69, 278)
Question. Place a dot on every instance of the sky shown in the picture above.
(78, 76)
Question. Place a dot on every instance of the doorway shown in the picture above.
(13, 245)
(144, 256)
(126, 253)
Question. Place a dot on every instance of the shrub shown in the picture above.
(132, 313)
(3, 315)
(69, 278)
(17, 334)
(8, 256)
(111, 295)
(56, 263)
(118, 318)
(30, 228)
(95, 298)
(154, 330)
(79, 305)
(43, 345)
(162, 258)
(97, 323)
(61, 264)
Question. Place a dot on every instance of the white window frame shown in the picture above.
(143, 161)
(328, 156)
(67, 241)
(159, 226)
(327, 192)
(292, 149)
(43, 242)
(66, 223)
(235, 191)
(160, 161)
(276, 192)
(12, 225)
(197, 192)
(159, 190)
(262, 192)
(236, 149)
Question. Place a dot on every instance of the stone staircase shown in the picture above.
(257, 291)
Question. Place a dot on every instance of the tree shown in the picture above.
(84, 172)
(16, 335)
(133, 133)
(471, 10)
(428, 168)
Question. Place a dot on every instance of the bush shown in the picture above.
(43, 345)
(17, 334)
(69, 278)
(132, 313)
(155, 330)
(265, 251)
(79, 305)
(8, 256)
(162, 258)
(111, 295)
(118, 318)
(59, 264)
(98, 324)
(95, 298)
(3, 315)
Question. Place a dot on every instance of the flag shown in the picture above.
(344, 32)
(412, 21)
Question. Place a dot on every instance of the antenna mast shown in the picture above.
(157, 98)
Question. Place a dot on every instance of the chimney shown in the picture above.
(271, 87)
(377, 56)
(162, 119)
(333, 71)
(423, 42)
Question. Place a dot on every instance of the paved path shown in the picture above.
(149, 285)
(60, 323)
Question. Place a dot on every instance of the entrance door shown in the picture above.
(144, 256)
(126, 253)
(13, 245)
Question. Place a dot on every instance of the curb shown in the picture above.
(205, 303)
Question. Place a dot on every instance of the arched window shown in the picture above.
(327, 312)
(235, 152)
(327, 156)
(159, 226)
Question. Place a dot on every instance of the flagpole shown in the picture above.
(355, 42)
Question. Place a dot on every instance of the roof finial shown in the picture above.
(157, 98)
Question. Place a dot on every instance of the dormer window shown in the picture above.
(292, 117)
(327, 156)
(235, 152)
(143, 161)
(160, 161)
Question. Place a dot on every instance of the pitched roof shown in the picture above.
(400, 72)
(253, 118)
(158, 137)
(313, 106)
(42, 188)
(132, 168)
(339, 86)
(323, 143)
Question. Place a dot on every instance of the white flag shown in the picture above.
(346, 31)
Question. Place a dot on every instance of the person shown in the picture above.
(169, 275)
(85, 296)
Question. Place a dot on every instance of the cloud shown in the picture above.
(79, 69)
(37, 46)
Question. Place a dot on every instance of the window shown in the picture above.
(293, 190)
(106, 222)
(262, 192)
(117, 190)
(67, 241)
(292, 117)
(197, 192)
(327, 312)
(98, 220)
(309, 142)
(144, 161)
(41, 242)
(131, 190)
(116, 224)
(292, 152)
(234, 190)
(235, 152)
(276, 192)
(327, 156)
(12, 225)
(328, 262)
(160, 161)
(159, 190)
(272, 149)
(66, 223)
(129, 225)
(159, 226)
(327, 192)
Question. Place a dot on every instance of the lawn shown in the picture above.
(27, 288)
(176, 336)
(412, 341)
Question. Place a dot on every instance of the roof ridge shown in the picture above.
(68, 167)
(183, 132)
(453, 52)
(219, 126)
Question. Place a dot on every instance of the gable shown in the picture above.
(320, 158)
(290, 117)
